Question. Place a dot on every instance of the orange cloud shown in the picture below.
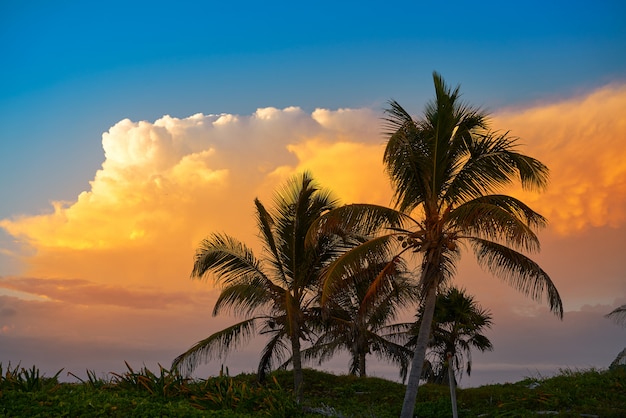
(86, 293)
(583, 142)
(165, 185)
(111, 268)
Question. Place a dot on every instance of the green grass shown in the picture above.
(143, 393)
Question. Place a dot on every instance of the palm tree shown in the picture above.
(618, 315)
(458, 324)
(448, 169)
(457, 327)
(352, 321)
(274, 292)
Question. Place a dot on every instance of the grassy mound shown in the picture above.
(142, 393)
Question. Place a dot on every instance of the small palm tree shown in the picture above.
(457, 329)
(458, 324)
(356, 321)
(447, 169)
(274, 292)
(618, 315)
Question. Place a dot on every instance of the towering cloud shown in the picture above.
(117, 258)
(165, 185)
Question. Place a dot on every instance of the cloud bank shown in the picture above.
(582, 141)
(113, 265)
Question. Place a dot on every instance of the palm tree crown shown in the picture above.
(275, 291)
(447, 169)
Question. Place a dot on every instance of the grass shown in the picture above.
(143, 393)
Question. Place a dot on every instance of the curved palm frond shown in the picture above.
(273, 352)
(618, 315)
(519, 271)
(247, 296)
(216, 345)
(265, 223)
(498, 217)
(387, 306)
(351, 262)
(490, 162)
(356, 220)
(390, 350)
(382, 283)
(226, 257)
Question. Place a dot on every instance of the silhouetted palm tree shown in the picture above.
(274, 292)
(354, 321)
(447, 169)
(457, 329)
(458, 324)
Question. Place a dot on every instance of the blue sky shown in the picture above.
(73, 70)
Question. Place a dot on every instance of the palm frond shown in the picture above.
(499, 217)
(226, 257)
(391, 351)
(351, 262)
(356, 220)
(491, 162)
(265, 223)
(273, 352)
(215, 346)
(381, 284)
(618, 315)
(519, 271)
(324, 348)
(247, 296)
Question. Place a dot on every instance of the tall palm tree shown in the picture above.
(274, 292)
(351, 321)
(457, 327)
(448, 169)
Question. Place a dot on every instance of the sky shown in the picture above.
(130, 130)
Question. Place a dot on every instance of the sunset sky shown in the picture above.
(130, 130)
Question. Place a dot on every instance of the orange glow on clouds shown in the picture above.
(165, 185)
(113, 266)
(583, 142)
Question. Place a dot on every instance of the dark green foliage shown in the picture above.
(132, 394)
(166, 384)
(25, 380)
(244, 395)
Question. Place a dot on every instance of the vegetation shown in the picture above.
(142, 393)
(458, 326)
(448, 170)
(357, 322)
(335, 276)
(279, 290)
(618, 315)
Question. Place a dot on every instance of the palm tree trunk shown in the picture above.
(452, 384)
(408, 406)
(362, 365)
(297, 366)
